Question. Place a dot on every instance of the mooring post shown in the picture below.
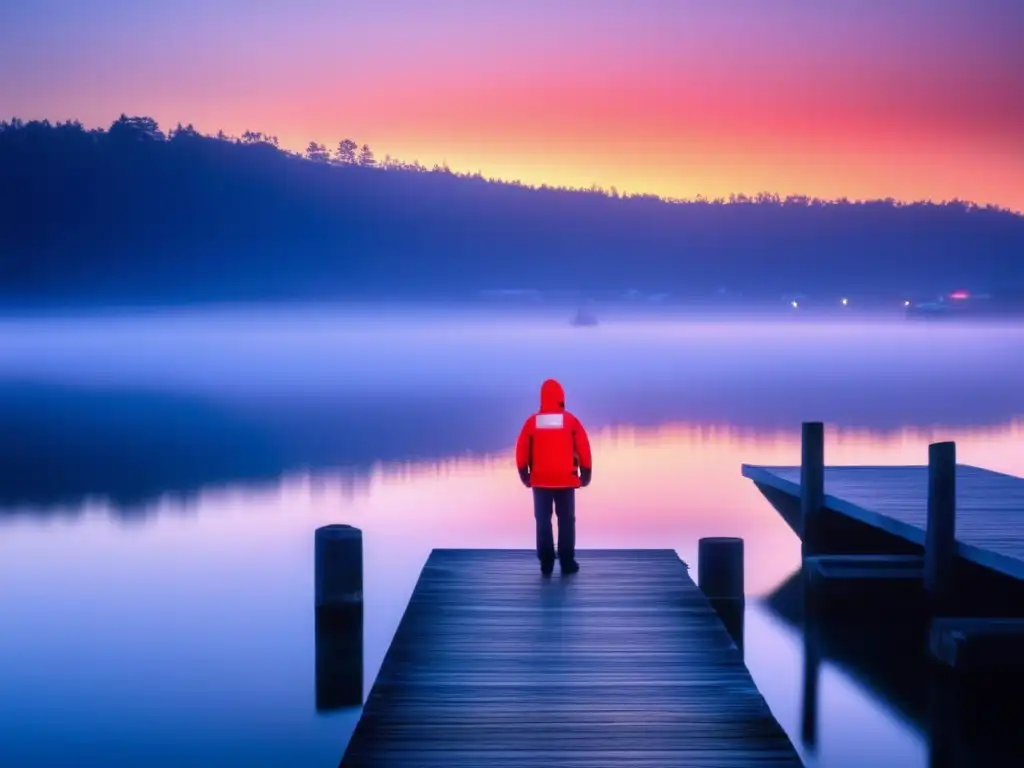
(338, 566)
(338, 617)
(812, 485)
(940, 536)
(720, 578)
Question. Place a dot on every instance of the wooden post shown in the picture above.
(338, 617)
(338, 566)
(812, 485)
(720, 567)
(720, 578)
(940, 537)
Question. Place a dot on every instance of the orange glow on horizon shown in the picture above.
(911, 101)
(860, 134)
(638, 150)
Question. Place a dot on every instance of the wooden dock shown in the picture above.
(948, 536)
(623, 664)
(989, 506)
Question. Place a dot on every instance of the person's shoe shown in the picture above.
(547, 568)
(572, 567)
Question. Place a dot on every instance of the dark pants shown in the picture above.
(563, 501)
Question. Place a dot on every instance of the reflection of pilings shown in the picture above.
(943, 724)
(720, 578)
(338, 568)
(731, 611)
(339, 658)
(812, 666)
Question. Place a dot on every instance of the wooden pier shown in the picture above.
(623, 664)
(894, 499)
(951, 533)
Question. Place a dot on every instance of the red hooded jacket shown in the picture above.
(553, 444)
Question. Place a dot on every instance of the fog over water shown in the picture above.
(162, 472)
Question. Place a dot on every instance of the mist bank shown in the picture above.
(132, 213)
(131, 408)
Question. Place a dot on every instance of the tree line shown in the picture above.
(16, 132)
(133, 209)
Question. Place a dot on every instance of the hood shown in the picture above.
(552, 397)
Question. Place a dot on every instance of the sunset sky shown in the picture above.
(859, 98)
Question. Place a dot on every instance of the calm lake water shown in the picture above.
(161, 477)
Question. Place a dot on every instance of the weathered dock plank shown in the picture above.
(622, 664)
(989, 506)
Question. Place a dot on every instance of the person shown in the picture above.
(553, 458)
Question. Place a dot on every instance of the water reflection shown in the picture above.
(183, 634)
(886, 657)
(66, 447)
(339, 658)
(192, 604)
(975, 723)
(812, 673)
(958, 722)
(731, 613)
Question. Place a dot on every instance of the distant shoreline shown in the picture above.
(133, 215)
(557, 312)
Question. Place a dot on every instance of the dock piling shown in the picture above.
(720, 578)
(812, 484)
(940, 545)
(338, 566)
(338, 616)
(940, 535)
